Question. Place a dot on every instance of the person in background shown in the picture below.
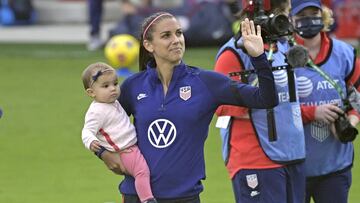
(173, 104)
(95, 15)
(263, 149)
(107, 127)
(191, 15)
(95, 12)
(324, 84)
(133, 12)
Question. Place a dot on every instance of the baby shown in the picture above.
(108, 127)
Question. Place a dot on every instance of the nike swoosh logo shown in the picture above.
(254, 193)
(141, 96)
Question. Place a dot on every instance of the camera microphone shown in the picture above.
(297, 56)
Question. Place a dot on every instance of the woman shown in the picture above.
(328, 161)
(173, 104)
(264, 158)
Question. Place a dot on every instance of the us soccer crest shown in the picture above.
(185, 92)
(252, 181)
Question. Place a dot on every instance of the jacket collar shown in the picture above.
(324, 47)
(179, 70)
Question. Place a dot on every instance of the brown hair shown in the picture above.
(92, 70)
(148, 28)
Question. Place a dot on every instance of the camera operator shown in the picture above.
(329, 155)
(264, 150)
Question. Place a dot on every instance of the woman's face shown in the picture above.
(168, 44)
(308, 22)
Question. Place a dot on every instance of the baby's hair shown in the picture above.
(93, 71)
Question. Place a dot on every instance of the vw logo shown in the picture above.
(161, 133)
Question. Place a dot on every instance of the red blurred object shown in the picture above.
(348, 19)
(267, 5)
(248, 5)
(327, 3)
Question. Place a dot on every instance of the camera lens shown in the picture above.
(280, 24)
(346, 132)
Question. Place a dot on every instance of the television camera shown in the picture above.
(273, 26)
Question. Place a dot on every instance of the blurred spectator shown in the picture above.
(204, 22)
(209, 22)
(347, 18)
(95, 10)
(235, 8)
(17, 12)
(95, 14)
(133, 12)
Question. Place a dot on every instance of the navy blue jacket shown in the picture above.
(172, 128)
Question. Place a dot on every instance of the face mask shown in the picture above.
(308, 27)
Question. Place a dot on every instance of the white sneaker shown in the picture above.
(95, 43)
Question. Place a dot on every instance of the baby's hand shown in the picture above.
(95, 146)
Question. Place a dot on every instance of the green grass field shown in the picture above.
(42, 156)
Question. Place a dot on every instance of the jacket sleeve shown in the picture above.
(227, 91)
(226, 63)
(307, 113)
(93, 123)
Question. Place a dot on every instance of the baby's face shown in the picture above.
(106, 88)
